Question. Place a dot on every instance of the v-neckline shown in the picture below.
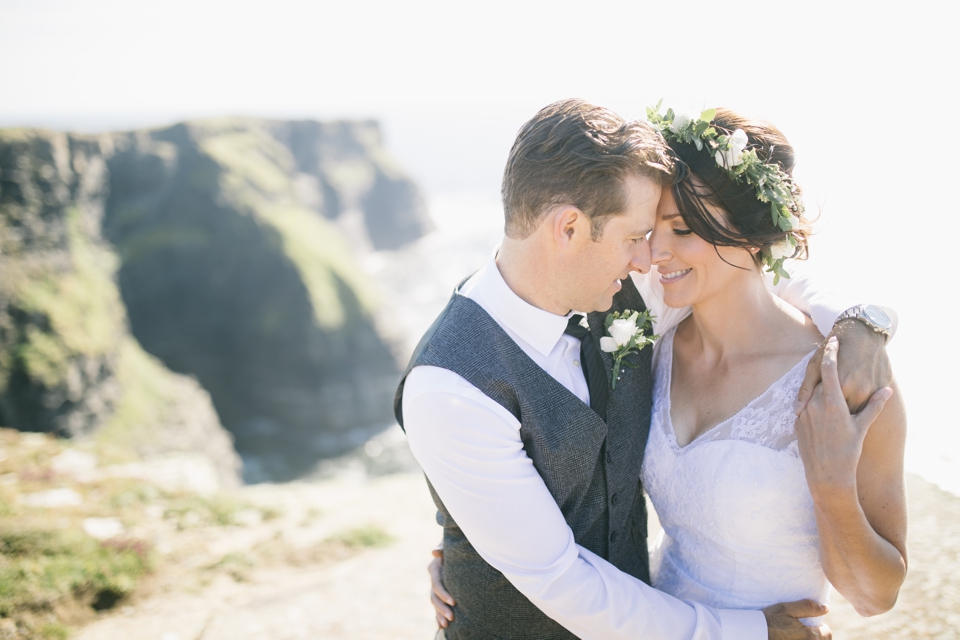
(668, 346)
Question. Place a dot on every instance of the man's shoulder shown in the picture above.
(424, 379)
(434, 388)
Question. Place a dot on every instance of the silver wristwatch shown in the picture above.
(873, 317)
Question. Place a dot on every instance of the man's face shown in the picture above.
(622, 248)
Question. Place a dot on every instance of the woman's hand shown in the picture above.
(442, 601)
(829, 438)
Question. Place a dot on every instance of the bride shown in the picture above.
(758, 506)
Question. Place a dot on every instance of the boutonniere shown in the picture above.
(628, 332)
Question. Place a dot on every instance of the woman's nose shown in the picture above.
(658, 251)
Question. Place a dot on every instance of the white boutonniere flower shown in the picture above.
(629, 332)
(733, 155)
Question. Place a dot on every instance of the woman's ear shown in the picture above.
(754, 250)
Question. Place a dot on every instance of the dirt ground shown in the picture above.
(370, 593)
(284, 579)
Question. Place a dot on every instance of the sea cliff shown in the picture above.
(177, 279)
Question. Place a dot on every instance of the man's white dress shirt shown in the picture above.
(469, 447)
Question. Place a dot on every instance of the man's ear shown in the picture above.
(568, 225)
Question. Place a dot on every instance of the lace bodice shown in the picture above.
(739, 526)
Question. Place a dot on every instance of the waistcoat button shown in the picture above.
(613, 536)
(614, 498)
(609, 458)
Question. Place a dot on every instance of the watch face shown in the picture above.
(877, 316)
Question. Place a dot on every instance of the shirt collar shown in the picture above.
(538, 328)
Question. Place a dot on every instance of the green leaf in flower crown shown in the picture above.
(784, 223)
(670, 115)
(699, 144)
(774, 212)
(708, 115)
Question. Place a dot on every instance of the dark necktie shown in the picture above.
(594, 370)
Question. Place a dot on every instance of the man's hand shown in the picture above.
(829, 438)
(783, 623)
(442, 601)
(863, 366)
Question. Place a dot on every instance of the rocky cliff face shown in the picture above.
(59, 307)
(228, 240)
(67, 362)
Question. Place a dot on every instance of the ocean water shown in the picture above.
(417, 281)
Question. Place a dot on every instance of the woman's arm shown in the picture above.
(854, 468)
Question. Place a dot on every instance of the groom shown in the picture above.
(533, 461)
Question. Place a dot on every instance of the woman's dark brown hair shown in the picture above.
(701, 181)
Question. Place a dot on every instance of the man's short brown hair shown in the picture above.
(573, 152)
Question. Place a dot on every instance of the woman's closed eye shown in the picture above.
(682, 232)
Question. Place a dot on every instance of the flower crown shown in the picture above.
(772, 183)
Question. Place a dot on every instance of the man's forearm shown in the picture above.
(471, 451)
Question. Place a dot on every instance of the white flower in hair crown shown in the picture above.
(630, 331)
(771, 183)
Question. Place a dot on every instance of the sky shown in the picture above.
(866, 92)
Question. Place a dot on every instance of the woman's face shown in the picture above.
(690, 268)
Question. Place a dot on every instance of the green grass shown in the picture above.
(42, 570)
(52, 575)
(321, 256)
(148, 392)
(370, 536)
(257, 179)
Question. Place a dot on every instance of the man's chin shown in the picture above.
(603, 305)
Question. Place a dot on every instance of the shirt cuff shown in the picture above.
(742, 625)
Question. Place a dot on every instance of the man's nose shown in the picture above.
(641, 258)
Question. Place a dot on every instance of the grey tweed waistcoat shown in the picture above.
(591, 467)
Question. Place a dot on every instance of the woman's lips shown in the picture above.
(673, 276)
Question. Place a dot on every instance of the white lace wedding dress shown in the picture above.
(739, 527)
